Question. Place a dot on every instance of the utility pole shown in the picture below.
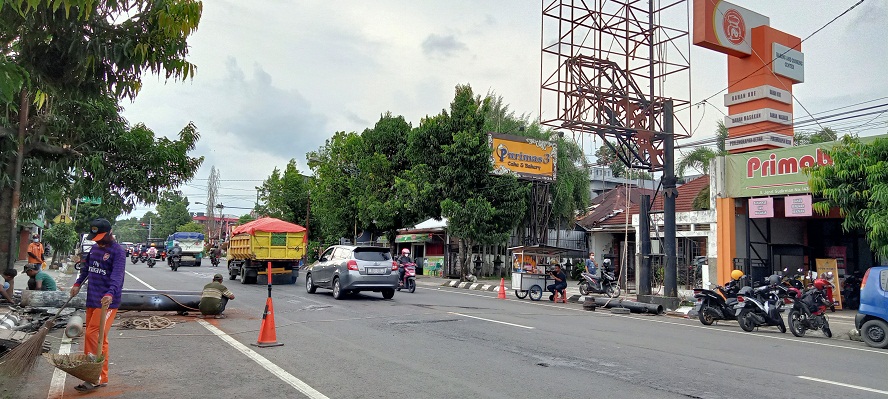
(149, 228)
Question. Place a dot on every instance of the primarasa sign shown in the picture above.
(773, 172)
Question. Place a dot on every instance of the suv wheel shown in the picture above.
(337, 289)
(309, 285)
(875, 333)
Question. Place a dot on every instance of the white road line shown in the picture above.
(265, 363)
(649, 319)
(143, 283)
(492, 321)
(844, 385)
(57, 384)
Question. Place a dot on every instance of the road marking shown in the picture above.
(57, 384)
(844, 385)
(274, 369)
(492, 321)
(143, 283)
(648, 319)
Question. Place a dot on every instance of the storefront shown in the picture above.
(426, 242)
(766, 222)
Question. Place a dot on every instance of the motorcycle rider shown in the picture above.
(152, 252)
(403, 260)
(175, 251)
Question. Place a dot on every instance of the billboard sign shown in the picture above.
(725, 27)
(524, 157)
(788, 63)
(760, 139)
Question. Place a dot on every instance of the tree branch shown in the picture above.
(41, 148)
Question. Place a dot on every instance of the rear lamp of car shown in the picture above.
(352, 265)
(863, 282)
(394, 266)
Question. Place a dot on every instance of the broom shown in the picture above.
(21, 359)
(86, 367)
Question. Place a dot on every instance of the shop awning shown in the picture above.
(423, 237)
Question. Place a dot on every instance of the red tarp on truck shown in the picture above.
(270, 225)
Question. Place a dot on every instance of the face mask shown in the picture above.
(36, 240)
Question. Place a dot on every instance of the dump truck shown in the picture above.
(192, 247)
(253, 245)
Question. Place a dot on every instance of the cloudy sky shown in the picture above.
(276, 78)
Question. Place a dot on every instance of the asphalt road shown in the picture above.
(455, 343)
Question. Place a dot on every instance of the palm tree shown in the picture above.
(698, 159)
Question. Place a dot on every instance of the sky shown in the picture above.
(276, 78)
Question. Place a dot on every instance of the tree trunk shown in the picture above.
(16, 175)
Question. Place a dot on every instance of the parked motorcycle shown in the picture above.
(151, 261)
(761, 306)
(409, 281)
(827, 288)
(607, 284)
(808, 313)
(717, 304)
(851, 291)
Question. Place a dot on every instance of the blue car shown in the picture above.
(872, 316)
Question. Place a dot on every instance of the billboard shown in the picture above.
(725, 27)
(524, 157)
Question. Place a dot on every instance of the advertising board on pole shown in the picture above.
(524, 157)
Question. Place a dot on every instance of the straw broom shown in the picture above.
(22, 358)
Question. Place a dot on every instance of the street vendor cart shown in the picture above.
(530, 269)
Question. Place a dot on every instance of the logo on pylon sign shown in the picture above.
(734, 26)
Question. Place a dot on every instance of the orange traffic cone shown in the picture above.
(502, 290)
(267, 334)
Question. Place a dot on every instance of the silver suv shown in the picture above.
(351, 269)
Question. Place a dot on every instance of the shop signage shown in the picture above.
(797, 206)
(758, 93)
(761, 208)
(758, 115)
(831, 265)
(773, 172)
(725, 27)
(524, 157)
(755, 140)
(788, 62)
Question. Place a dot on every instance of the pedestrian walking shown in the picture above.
(104, 268)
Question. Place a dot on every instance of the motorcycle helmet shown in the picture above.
(405, 252)
(736, 275)
(774, 279)
(153, 245)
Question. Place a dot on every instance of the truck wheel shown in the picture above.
(243, 275)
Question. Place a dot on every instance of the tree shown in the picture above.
(245, 219)
(64, 64)
(284, 195)
(698, 159)
(131, 230)
(335, 167)
(606, 156)
(172, 212)
(62, 238)
(857, 184)
(823, 135)
(191, 227)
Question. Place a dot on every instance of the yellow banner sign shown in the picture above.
(523, 156)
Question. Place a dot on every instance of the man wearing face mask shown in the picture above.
(35, 251)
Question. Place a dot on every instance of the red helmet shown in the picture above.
(405, 251)
(820, 284)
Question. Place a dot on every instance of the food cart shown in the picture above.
(530, 269)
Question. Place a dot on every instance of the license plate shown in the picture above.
(373, 270)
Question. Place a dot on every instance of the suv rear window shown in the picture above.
(372, 254)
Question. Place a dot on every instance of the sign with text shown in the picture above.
(788, 62)
(524, 157)
(758, 115)
(761, 208)
(755, 140)
(798, 206)
(725, 27)
(830, 265)
(758, 93)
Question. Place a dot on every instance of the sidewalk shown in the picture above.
(573, 290)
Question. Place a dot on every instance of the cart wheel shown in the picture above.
(536, 292)
(521, 294)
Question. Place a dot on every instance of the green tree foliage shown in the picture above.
(335, 167)
(191, 227)
(857, 184)
(131, 230)
(64, 64)
(697, 159)
(701, 200)
(284, 195)
(824, 135)
(245, 219)
(606, 156)
(172, 212)
(62, 238)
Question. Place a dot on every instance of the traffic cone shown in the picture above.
(502, 290)
(267, 334)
